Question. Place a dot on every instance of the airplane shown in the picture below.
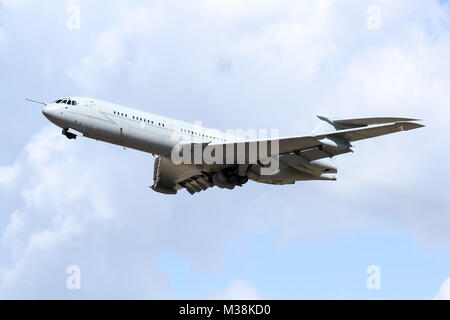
(297, 158)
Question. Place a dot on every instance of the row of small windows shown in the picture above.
(137, 118)
(200, 134)
(162, 125)
(121, 114)
(66, 101)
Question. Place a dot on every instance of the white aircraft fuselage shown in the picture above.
(124, 126)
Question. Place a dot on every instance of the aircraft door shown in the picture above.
(92, 109)
(90, 122)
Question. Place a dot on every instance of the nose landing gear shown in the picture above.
(68, 134)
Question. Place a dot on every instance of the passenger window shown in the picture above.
(74, 103)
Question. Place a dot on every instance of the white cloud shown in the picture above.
(2, 37)
(58, 203)
(13, 3)
(444, 291)
(237, 289)
(7, 175)
(110, 53)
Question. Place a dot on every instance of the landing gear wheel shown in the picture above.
(68, 134)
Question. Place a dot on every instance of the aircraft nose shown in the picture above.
(50, 113)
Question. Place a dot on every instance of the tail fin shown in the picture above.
(330, 124)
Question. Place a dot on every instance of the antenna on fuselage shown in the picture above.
(35, 101)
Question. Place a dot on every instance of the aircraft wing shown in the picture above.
(333, 142)
(339, 142)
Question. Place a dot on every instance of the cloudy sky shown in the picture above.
(231, 64)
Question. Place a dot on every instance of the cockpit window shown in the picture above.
(67, 101)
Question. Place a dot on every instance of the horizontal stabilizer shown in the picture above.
(354, 123)
(340, 124)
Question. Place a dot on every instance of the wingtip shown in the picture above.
(406, 126)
